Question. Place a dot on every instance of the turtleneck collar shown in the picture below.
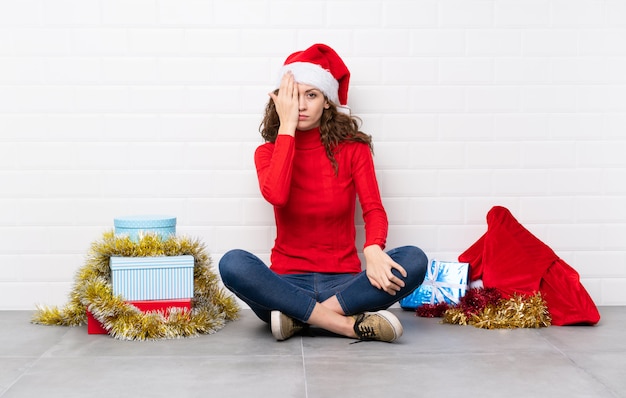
(308, 139)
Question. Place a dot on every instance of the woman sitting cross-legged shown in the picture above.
(314, 164)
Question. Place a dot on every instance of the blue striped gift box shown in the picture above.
(152, 278)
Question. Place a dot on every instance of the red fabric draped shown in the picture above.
(511, 259)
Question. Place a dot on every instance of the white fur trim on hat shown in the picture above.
(313, 75)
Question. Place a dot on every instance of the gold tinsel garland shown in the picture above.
(212, 306)
(515, 312)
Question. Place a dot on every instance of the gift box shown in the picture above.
(445, 281)
(95, 327)
(152, 278)
(134, 226)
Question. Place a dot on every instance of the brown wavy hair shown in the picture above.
(335, 127)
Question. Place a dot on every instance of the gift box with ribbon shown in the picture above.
(445, 281)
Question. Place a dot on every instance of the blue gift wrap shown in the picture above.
(445, 281)
(134, 226)
(152, 278)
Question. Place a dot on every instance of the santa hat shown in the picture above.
(321, 67)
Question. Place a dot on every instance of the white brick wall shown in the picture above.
(113, 107)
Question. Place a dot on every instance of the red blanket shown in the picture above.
(511, 259)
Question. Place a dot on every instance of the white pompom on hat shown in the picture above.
(321, 67)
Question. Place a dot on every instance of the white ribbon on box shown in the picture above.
(438, 293)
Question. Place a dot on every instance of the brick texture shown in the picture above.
(116, 107)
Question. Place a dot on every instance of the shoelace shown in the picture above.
(366, 331)
(363, 332)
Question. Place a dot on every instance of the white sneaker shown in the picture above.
(283, 326)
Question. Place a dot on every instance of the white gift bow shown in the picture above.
(439, 293)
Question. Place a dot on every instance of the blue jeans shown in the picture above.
(295, 295)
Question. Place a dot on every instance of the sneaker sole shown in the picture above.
(275, 324)
(394, 321)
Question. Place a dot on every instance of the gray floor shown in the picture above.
(243, 360)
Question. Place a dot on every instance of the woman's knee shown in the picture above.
(232, 263)
(413, 260)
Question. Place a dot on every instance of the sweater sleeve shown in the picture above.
(374, 215)
(274, 166)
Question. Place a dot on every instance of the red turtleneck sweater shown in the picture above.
(314, 208)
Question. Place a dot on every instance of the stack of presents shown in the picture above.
(149, 283)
